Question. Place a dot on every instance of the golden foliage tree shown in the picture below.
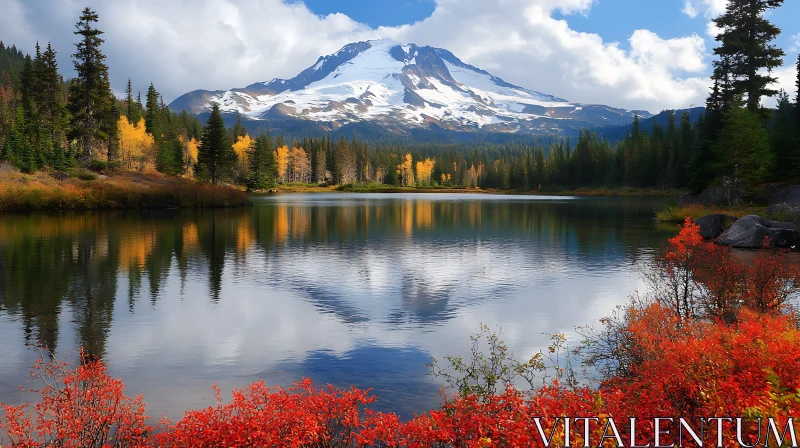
(242, 147)
(406, 170)
(299, 166)
(190, 149)
(424, 171)
(136, 146)
(282, 162)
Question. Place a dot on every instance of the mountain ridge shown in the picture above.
(405, 86)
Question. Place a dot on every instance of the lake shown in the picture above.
(347, 289)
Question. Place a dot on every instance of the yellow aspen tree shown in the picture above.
(282, 161)
(472, 177)
(445, 179)
(189, 155)
(300, 166)
(406, 170)
(424, 171)
(241, 148)
(136, 146)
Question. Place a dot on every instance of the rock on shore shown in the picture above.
(750, 231)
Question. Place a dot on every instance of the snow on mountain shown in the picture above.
(403, 85)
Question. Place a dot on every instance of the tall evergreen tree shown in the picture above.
(152, 113)
(797, 95)
(238, 130)
(746, 49)
(28, 87)
(90, 91)
(685, 143)
(169, 159)
(785, 135)
(51, 106)
(132, 107)
(742, 149)
(111, 130)
(215, 155)
(261, 163)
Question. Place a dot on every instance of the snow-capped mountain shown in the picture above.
(404, 86)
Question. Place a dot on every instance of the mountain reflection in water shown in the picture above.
(343, 288)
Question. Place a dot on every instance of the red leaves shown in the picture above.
(80, 407)
(696, 278)
(259, 416)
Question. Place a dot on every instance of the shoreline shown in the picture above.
(581, 192)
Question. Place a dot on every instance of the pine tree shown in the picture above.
(746, 49)
(797, 95)
(238, 129)
(699, 169)
(152, 113)
(785, 141)
(111, 130)
(169, 159)
(669, 156)
(132, 107)
(90, 91)
(742, 149)
(51, 106)
(215, 156)
(261, 163)
(685, 143)
(28, 87)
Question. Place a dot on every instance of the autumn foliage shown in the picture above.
(81, 407)
(672, 360)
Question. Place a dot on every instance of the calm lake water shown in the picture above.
(345, 289)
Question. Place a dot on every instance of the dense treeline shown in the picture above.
(49, 124)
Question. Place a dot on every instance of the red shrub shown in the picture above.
(696, 278)
(262, 417)
(81, 407)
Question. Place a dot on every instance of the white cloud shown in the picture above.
(787, 81)
(219, 44)
(708, 8)
(796, 46)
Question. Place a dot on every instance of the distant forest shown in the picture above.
(48, 123)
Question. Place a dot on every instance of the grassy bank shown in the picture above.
(673, 213)
(88, 191)
(678, 213)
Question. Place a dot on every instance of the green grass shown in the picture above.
(678, 213)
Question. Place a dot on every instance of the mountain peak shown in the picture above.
(403, 86)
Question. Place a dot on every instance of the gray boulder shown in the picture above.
(786, 202)
(749, 232)
(727, 192)
(789, 196)
(712, 226)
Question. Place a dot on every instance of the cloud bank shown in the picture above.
(220, 44)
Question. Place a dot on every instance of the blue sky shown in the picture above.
(376, 13)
